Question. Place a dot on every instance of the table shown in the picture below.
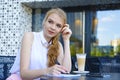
(108, 67)
(111, 76)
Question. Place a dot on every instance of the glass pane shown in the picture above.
(107, 34)
(75, 20)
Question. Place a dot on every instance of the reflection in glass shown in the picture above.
(75, 20)
(107, 42)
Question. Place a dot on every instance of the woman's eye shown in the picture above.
(59, 26)
(50, 21)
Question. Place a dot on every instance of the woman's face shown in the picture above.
(53, 25)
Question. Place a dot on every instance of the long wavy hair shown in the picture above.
(53, 49)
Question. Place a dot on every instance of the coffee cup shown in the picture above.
(81, 58)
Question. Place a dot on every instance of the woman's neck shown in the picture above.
(46, 38)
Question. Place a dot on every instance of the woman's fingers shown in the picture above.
(66, 32)
(62, 69)
(66, 29)
(58, 69)
(67, 25)
(56, 72)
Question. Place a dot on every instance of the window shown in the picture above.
(107, 42)
(75, 19)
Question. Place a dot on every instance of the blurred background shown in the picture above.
(94, 24)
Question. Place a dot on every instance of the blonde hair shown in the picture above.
(53, 50)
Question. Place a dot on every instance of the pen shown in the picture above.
(59, 64)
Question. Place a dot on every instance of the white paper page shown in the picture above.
(65, 75)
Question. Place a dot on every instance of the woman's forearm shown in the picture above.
(67, 55)
(32, 74)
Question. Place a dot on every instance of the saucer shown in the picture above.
(81, 72)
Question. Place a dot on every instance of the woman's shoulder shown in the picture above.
(28, 34)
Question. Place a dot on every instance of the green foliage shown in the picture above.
(118, 50)
(72, 49)
(75, 46)
(111, 53)
(95, 51)
(75, 49)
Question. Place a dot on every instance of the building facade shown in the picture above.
(17, 17)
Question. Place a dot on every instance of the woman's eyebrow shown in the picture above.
(50, 19)
(53, 20)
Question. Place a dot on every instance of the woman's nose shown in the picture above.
(53, 27)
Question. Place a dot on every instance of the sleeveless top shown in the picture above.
(38, 59)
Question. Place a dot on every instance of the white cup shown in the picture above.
(81, 58)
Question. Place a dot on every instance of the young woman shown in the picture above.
(41, 51)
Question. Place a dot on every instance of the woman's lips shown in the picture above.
(51, 32)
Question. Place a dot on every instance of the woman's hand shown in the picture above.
(56, 70)
(66, 32)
